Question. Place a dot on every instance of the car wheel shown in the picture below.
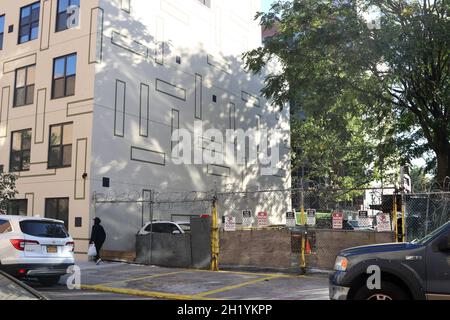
(49, 281)
(388, 291)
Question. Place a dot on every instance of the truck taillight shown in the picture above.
(19, 244)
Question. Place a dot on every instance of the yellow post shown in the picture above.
(215, 238)
(394, 216)
(303, 222)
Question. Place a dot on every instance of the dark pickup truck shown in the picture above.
(417, 270)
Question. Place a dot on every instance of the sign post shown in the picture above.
(383, 222)
(247, 219)
(363, 218)
(263, 219)
(230, 223)
(311, 217)
(338, 220)
(290, 219)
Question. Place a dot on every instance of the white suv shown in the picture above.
(33, 247)
(165, 227)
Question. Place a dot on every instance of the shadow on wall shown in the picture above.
(145, 89)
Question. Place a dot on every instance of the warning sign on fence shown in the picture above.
(363, 218)
(230, 223)
(263, 220)
(290, 219)
(338, 220)
(246, 218)
(311, 217)
(383, 222)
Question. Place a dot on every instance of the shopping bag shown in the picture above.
(92, 252)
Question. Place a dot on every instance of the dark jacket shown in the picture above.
(98, 234)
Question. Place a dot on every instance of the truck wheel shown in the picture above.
(388, 291)
(49, 281)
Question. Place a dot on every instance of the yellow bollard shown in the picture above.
(215, 239)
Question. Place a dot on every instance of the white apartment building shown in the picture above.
(92, 90)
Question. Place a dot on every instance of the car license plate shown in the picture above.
(52, 249)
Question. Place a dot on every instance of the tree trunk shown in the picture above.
(443, 164)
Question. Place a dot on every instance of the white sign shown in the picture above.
(230, 223)
(246, 219)
(311, 217)
(363, 218)
(263, 220)
(290, 219)
(338, 220)
(383, 222)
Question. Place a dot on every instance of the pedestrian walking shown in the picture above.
(98, 237)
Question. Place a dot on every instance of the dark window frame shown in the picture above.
(57, 206)
(65, 57)
(29, 24)
(58, 28)
(11, 152)
(2, 34)
(16, 209)
(61, 146)
(26, 86)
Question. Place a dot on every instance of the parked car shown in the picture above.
(415, 270)
(354, 225)
(35, 248)
(13, 289)
(165, 227)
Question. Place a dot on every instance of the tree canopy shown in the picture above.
(384, 82)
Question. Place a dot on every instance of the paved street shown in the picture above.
(128, 281)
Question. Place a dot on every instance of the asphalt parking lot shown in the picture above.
(129, 281)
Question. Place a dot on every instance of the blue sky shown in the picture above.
(266, 4)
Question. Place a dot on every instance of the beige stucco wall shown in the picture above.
(40, 183)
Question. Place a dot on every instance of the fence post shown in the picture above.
(403, 215)
(214, 237)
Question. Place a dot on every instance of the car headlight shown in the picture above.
(341, 264)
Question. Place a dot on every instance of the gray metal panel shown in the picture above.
(201, 242)
(171, 250)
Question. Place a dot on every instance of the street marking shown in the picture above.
(278, 275)
(144, 277)
(141, 293)
(232, 287)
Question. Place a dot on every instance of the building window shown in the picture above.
(206, 3)
(64, 14)
(2, 30)
(20, 151)
(64, 76)
(17, 207)
(24, 86)
(57, 208)
(29, 22)
(60, 148)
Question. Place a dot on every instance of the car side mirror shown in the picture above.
(176, 232)
(444, 244)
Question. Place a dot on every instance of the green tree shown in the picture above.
(7, 189)
(399, 72)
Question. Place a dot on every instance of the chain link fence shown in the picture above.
(314, 223)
